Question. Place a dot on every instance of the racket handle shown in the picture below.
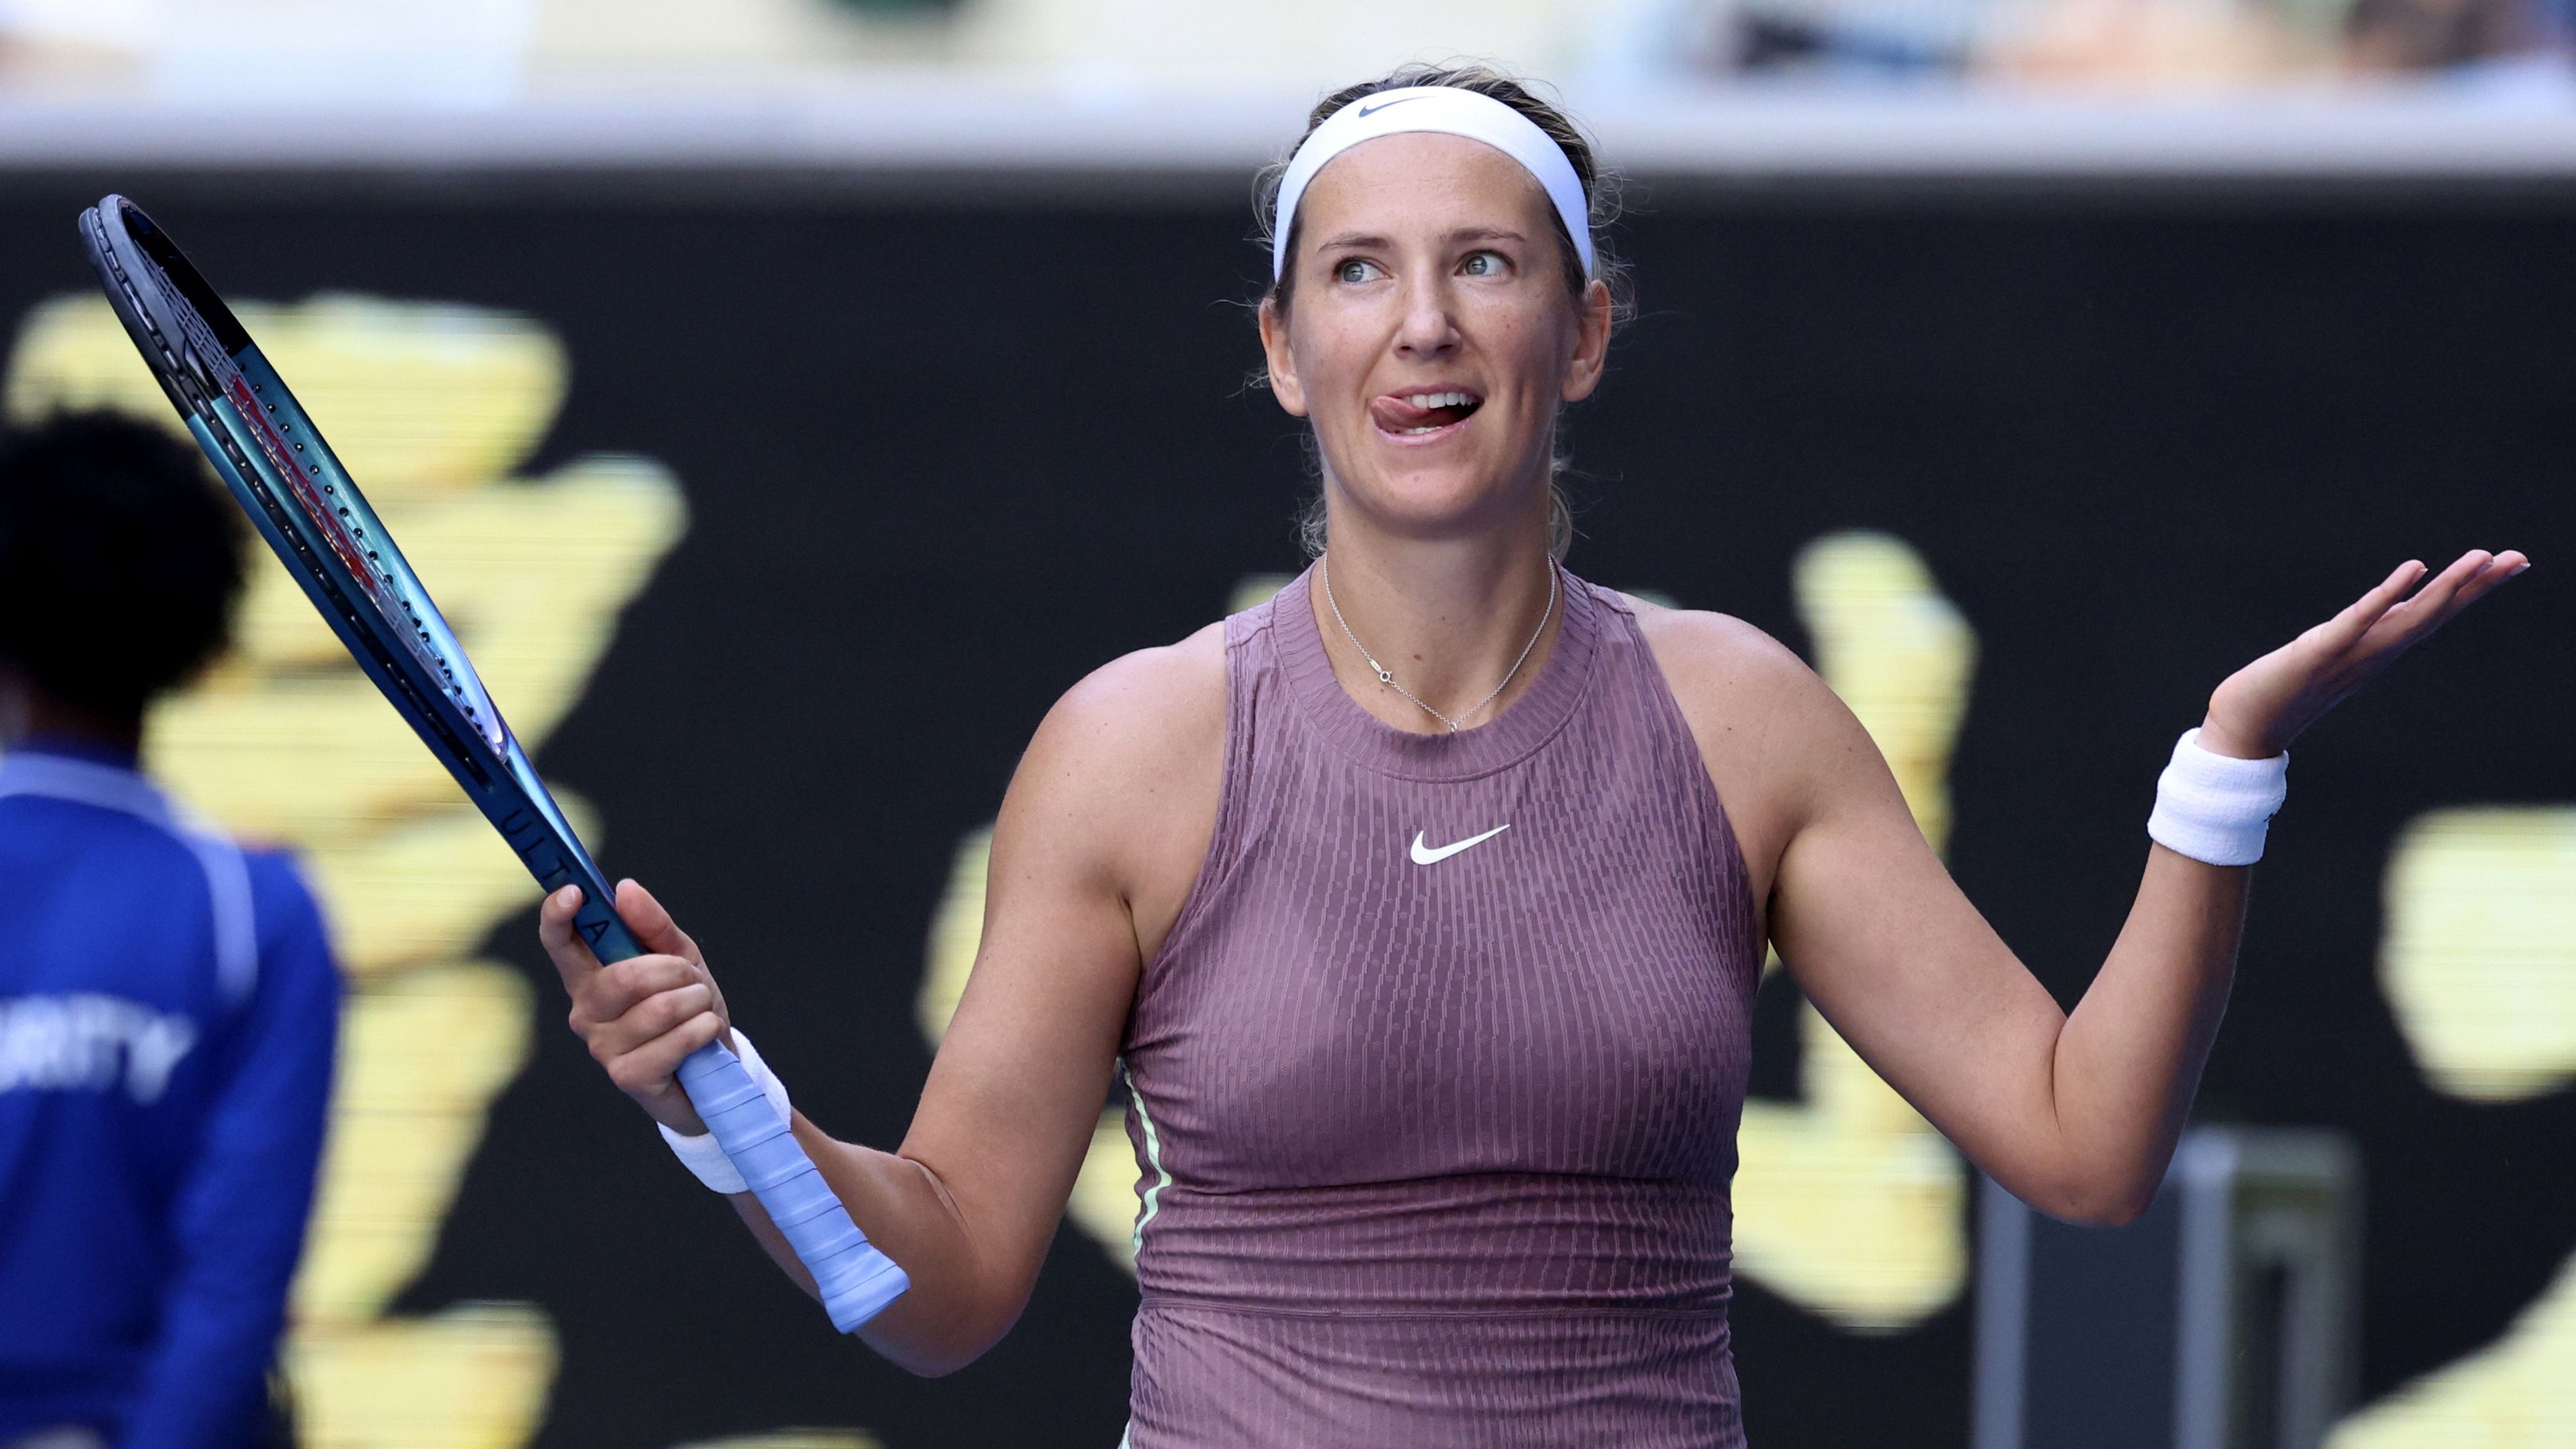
(856, 1280)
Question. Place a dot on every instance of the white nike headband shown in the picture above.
(1434, 108)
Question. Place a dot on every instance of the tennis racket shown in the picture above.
(303, 502)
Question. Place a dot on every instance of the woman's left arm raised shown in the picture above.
(2075, 1114)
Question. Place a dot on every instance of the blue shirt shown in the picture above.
(168, 1007)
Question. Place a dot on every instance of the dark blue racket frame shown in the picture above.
(320, 526)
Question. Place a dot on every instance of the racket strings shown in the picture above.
(196, 358)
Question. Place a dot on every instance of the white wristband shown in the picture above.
(701, 1154)
(2216, 808)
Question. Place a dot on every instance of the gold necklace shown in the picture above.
(1386, 676)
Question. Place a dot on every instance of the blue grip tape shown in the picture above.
(856, 1280)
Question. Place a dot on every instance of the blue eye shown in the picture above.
(1354, 270)
(1482, 264)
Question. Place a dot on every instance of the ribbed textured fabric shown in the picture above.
(1438, 1154)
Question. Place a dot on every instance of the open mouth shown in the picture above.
(1418, 414)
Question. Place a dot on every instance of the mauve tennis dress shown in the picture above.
(1435, 1136)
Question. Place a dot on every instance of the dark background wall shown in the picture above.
(944, 455)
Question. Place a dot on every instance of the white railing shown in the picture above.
(926, 124)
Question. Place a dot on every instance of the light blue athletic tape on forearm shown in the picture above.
(855, 1280)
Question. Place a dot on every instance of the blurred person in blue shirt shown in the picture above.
(168, 1002)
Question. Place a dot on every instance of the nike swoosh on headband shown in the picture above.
(1366, 111)
(1430, 855)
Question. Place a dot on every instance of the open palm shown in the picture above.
(2268, 703)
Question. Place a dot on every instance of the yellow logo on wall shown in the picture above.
(2478, 959)
(433, 407)
(1847, 1202)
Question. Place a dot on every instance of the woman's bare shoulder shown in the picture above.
(1135, 711)
(1720, 665)
(1764, 722)
(1135, 749)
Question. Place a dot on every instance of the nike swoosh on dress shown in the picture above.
(1426, 855)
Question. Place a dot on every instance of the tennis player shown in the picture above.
(168, 1002)
(1423, 905)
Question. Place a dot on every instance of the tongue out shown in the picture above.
(1395, 415)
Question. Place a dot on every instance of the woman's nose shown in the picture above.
(1427, 328)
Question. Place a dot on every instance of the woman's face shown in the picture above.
(1430, 339)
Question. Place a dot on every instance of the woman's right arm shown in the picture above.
(1116, 792)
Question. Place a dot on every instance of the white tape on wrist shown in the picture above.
(701, 1154)
(2214, 807)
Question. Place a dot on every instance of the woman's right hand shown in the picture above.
(640, 1017)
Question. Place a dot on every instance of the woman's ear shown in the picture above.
(1591, 343)
(1281, 359)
